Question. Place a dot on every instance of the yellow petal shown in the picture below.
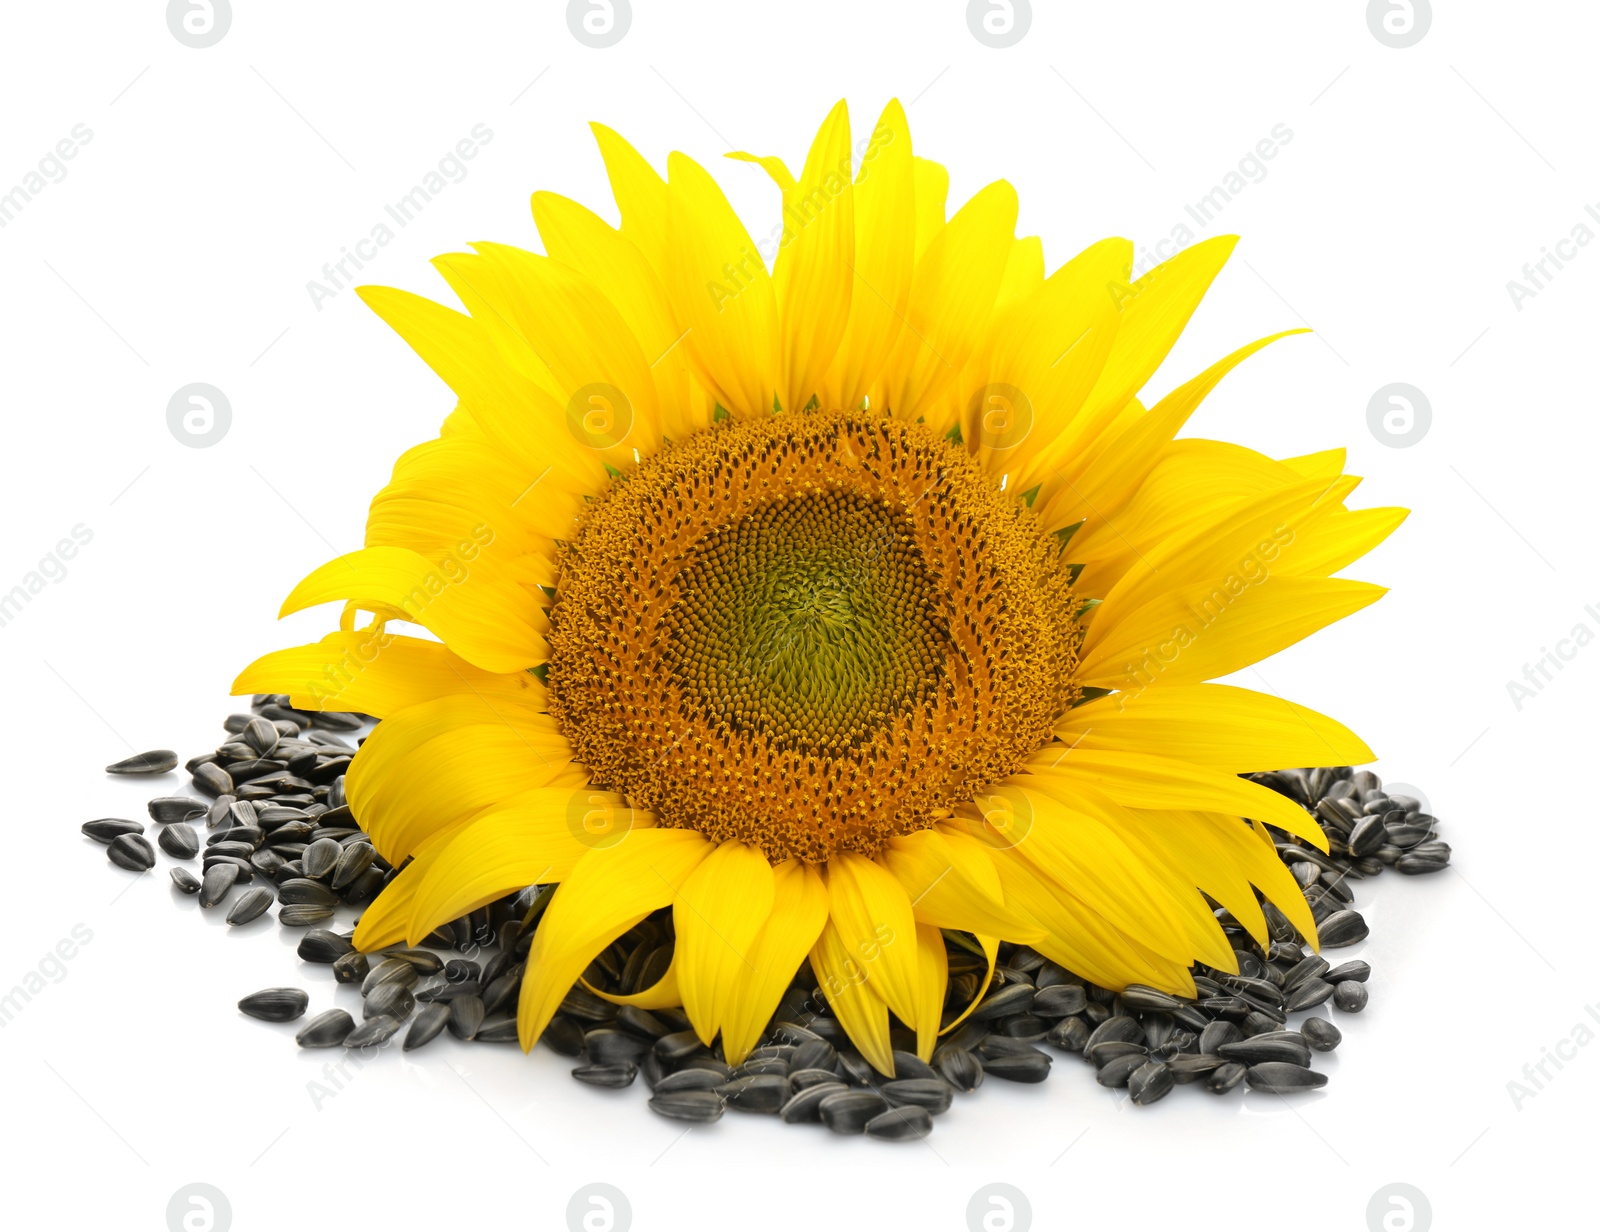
(377, 673)
(872, 916)
(720, 292)
(535, 838)
(816, 253)
(489, 621)
(717, 915)
(932, 188)
(799, 910)
(951, 883)
(1217, 726)
(610, 890)
(885, 210)
(640, 193)
(661, 995)
(385, 922)
(933, 977)
(842, 976)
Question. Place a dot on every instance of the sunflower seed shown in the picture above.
(1058, 1001)
(1321, 1034)
(179, 842)
(353, 861)
(701, 1107)
(814, 1054)
(1308, 968)
(607, 1046)
(1192, 1066)
(156, 761)
(904, 1124)
(847, 1112)
(374, 1032)
(804, 1105)
(1310, 995)
(1035, 1068)
(321, 856)
(303, 915)
(261, 735)
(275, 1004)
(185, 881)
(756, 1093)
(1151, 1081)
(250, 905)
(619, 1074)
(959, 1068)
(1070, 1033)
(389, 971)
(1218, 1034)
(1280, 1078)
(502, 991)
(499, 1029)
(1144, 999)
(327, 1030)
(388, 1001)
(1288, 1046)
(1350, 996)
(422, 962)
(565, 1036)
(322, 945)
(108, 828)
(1123, 1028)
(168, 809)
(677, 1046)
(1225, 1077)
(910, 1065)
(934, 1094)
(1012, 999)
(213, 780)
(1356, 970)
(219, 878)
(466, 1015)
(1424, 858)
(302, 890)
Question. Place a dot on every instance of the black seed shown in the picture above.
(847, 1112)
(498, 1029)
(374, 1031)
(353, 861)
(1321, 1034)
(1342, 928)
(1144, 999)
(959, 1068)
(701, 1107)
(1012, 999)
(156, 761)
(1110, 1050)
(804, 1105)
(250, 905)
(1035, 1068)
(179, 842)
(934, 1094)
(619, 1074)
(327, 1030)
(276, 1004)
(168, 809)
(303, 915)
(1308, 968)
(1350, 996)
(910, 1065)
(304, 890)
(756, 1093)
(607, 1046)
(388, 1001)
(1218, 1034)
(322, 945)
(689, 1080)
(1225, 1077)
(1070, 1033)
(466, 1015)
(1289, 1046)
(213, 780)
(904, 1124)
(107, 828)
(1310, 995)
(218, 880)
(678, 1045)
(565, 1036)
(132, 852)
(1122, 1027)
(1191, 1066)
(185, 881)
(389, 970)
(1117, 1071)
(321, 856)
(1058, 1001)
(1283, 1079)
(351, 967)
(1150, 1082)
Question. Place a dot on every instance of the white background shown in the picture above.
(218, 182)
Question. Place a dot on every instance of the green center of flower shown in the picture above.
(809, 619)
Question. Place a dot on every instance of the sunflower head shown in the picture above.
(863, 595)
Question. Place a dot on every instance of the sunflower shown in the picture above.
(835, 608)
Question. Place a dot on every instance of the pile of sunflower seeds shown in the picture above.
(280, 831)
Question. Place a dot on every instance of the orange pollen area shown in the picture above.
(810, 632)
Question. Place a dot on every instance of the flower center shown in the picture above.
(810, 632)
